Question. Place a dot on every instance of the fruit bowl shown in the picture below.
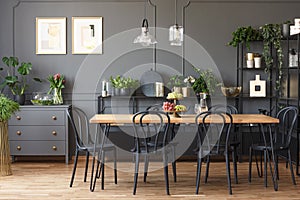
(231, 91)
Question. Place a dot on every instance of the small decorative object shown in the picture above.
(250, 63)
(87, 35)
(249, 60)
(257, 87)
(57, 82)
(104, 90)
(7, 108)
(186, 91)
(175, 83)
(293, 58)
(231, 91)
(42, 99)
(257, 62)
(51, 34)
(159, 89)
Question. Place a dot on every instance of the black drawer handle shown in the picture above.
(19, 148)
(54, 117)
(19, 132)
(54, 133)
(19, 118)
(54, 148)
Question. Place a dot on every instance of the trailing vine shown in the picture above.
(271, 34)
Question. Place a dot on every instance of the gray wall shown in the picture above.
(210, 23)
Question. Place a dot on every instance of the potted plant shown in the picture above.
(244, 35)
(116, 83)
(286, 28)
(175, 83)
(17, 82)
(7, 108)
(205, 83)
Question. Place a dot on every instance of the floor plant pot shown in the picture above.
(5, 164)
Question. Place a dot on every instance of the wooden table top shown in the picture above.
(184, 119)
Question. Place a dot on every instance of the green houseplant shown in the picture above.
(205, 83)
(16, 81)
(7, 108)
(244, 35)
(123, 85)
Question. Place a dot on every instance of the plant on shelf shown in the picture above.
(175, 83)
(271, 34)
(124, 84)
(17, 82)
(7, 108)
(244, 35)
(206, 82)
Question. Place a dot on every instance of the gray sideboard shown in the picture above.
(40, 131)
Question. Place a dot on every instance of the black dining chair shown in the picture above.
(214, 130)
(84, 142)
(280, 143)
(158, 107)
(234, 140)
(156, 129)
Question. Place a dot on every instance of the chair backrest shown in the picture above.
(224, 108)
(150, 125)
(287, 120)
(80, 125)
(214, 132)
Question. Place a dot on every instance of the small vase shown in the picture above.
(57, 97)
(20, 99)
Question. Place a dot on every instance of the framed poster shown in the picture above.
(87, 35)
(51, 35)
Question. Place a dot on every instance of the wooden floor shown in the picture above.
(50, 180)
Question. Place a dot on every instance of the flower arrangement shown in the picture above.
(57, 83)
(189, 81)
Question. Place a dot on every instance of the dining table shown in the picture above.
(108, 120)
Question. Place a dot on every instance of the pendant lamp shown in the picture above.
(176, 31)
(145, 38)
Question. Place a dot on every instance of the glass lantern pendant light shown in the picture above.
(175, 31)
(145, 39)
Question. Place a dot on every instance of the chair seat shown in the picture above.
(262, 147)
(90, 147)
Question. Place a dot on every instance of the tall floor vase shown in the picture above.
(5, 163)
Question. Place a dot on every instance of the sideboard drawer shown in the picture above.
(40, 117)
(18, 148)
(34, 133)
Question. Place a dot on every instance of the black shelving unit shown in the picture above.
(244, 75)
(291, 91)
(247, 104)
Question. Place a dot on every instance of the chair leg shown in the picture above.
(174, 171)
(291, 166)
(93, 182)
(265, 168)
(74, 168)
(102, 167)
(250, 165)
(198, 175)
(136, 173)
(228, 173)
(174, 165)
(146, 167)
(86, 165)
(234, 160)
(207, 168)
(166, 173)
(115, 166)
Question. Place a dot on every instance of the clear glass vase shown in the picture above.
(57, 96)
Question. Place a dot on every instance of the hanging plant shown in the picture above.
(271, 34)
